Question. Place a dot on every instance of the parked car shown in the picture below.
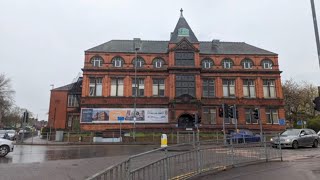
(12, 134)
(2, 133)
(243, 135)
(319, 133)
(296, 138)
(6, 146)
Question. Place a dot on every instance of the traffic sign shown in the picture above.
(299, 122)
(282, 122)
(120, 118)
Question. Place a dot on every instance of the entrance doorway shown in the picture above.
(185, 121)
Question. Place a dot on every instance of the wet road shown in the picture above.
(33, 154)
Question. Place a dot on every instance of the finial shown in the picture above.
(181, 10)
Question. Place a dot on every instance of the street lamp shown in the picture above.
(136, 47)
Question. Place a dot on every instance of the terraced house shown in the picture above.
(161, 85)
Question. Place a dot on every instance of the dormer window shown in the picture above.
(267, 64)
(140, 62)
(247, 64)
(207, 63)
(96, 61)
(117, 62)
(158, 63)
(183, 32)
(227, 63)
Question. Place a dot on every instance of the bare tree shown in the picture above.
(298, 99)
(6, 95)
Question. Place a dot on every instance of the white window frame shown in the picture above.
(249, 113)
(229, 88)
(96, 61)
(157, 86)
(118, 62)
(140, 87)
(207, 63)
(95, 87)
(158, 63)
(73, 100)
(140, 62)
(117, 87)
(269, 88)
(267, 64)
(272, 116)
(247, 64)
(227, 64)
(250, 88)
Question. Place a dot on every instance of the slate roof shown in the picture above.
(64, 88)
(182, 23)
(75, 87)
(206, 47)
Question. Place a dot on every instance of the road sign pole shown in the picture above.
(223, 126)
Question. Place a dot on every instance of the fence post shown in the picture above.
(47, 137)
(265, 148)
(232, 153)
(32, 136)
(68, 137)
(280, 147)
(166, 163)
(198, 157)
(128, 169)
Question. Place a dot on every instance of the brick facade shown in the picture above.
(169, 72)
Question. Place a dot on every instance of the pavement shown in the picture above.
(306, 169)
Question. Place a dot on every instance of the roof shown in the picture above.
(206, 47)
(64, 88)
(74, 87)
(183, 26)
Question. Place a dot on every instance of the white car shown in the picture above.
(6, 146)
(318, 133)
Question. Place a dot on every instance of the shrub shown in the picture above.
(314, 123)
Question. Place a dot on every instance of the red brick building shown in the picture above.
(175, 79)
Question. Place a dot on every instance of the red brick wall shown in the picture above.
(58, 109)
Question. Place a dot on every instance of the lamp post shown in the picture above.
(136, 48)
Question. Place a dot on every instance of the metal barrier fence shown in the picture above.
(170, 163)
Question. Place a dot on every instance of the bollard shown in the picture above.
(164, 140)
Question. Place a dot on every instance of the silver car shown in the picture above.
(296, 138)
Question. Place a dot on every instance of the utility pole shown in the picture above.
(223, 126)
(314, 17)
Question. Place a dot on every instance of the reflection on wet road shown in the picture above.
(32, 154)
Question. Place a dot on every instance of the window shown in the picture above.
(138, 89)
(140, 62)
(208, 88)
(183, 32)
(95, 87)
(158, 63)
(272, 116)
(207, 63)
(267, 64)
(73, 101)
(117, 62)
(227, 63)
(247, 64)
(185, 84)
(248, 88)
(96, 61)
(228, 88)
(269, 90)
(249, 117)
(210, 115)
(184, 58)
(116, 87)
(158, 87)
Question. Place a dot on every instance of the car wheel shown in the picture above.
(315, 144)
(4, 150)
(295, 145)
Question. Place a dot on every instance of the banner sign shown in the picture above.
(110, 115)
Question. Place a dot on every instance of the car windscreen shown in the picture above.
(291, 132)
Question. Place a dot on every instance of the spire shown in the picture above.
(182, 30)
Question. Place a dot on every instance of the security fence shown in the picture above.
(183, 161)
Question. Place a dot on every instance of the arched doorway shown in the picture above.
(185, 121)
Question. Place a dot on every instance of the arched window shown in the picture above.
(207, 63)
(266, 64)
(140, 62)
(247, 64)
(158, 63)
(96, 61)
(117, 61)
(227, 63)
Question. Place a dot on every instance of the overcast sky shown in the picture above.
(42, 42)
